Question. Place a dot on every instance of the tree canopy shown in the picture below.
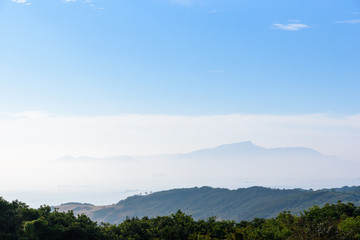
(332, 221)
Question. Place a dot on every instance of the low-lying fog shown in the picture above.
(108, 180)
(40, 163)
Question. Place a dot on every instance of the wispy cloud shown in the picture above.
(22, 1)
(352, 21)
(290, 26)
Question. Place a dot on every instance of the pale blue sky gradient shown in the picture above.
(180, 57)
(103, 78)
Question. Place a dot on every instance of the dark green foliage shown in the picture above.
(12, 215)
(58, 225)
(340, 221)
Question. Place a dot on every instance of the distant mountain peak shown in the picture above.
(250, 146)
(239, 144)
(244, 144)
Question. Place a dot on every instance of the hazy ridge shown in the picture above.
(204, 202)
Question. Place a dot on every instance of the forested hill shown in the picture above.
(340, 221)
(204, 202)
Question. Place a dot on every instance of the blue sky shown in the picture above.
(102, 78)
(180, 57)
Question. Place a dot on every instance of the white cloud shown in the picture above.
(20, 1)
(352, 21)
(290, 26)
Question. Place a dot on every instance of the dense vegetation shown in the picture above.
(332, 221)
(225, 204)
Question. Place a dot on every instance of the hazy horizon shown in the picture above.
(98, 79)
(104, 181)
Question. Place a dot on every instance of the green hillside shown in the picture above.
(204, 202)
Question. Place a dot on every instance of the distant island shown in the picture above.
(242, 164)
